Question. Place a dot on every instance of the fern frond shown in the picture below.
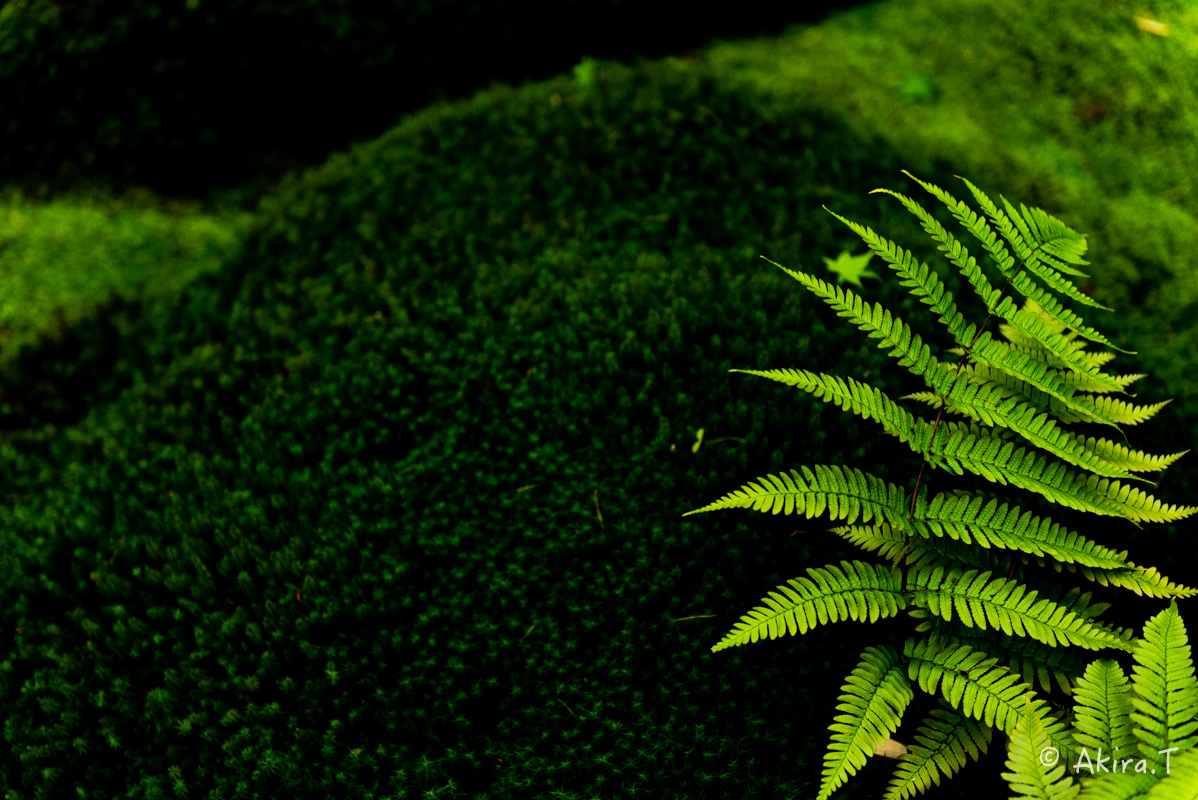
(850, 395)
(982, 454)
(1062, 242)
(974, 224)
(985, 404)
(1040, 664)
(923, 281)
(1036, 663)
(1107, 410)
(1029, 776)
(941, 551)
(1046, 248)
(1082, 383)
(1144, 581)
(1132, 460)
(955, 251)
(1033, 260)
(969, 518)
(1048, 337)
(1006, 264)
(884, 539)
(931, 398)
(942, 744)
(872, 702)
(855, 590)
(980, 600)
(1101, 709)
(1118, 411)
(1166, 694)
(844, 492)
(1033, 370)
(978, 687)
(1180, 781)
(905, 345)
(1026, 344)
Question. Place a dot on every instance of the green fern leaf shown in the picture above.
(872, 702)
(1000, 461)
(1106, 410)
(949, 245)
(1132, 460)
(1038, 262)
(1036, 663)
(855, 590)
(978, 686)
(1144, 581)
(943, 743)
(1181, 781)
(985, 404)
(923, 281)
(1113, 454)
(970, 519)
(968, 566)
(1166, 695)
(905, 345)
(844, 492)
(1029, 776)
(1034, 371)
(1102, 705)
(1035, 327)
(851, 395)
(980, 600)
(1006, 263)
(884, 539)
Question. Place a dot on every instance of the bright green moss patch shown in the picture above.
(1081, 110)
(64, 256)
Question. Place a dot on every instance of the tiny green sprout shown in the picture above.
(584, 72)
(698, 441)
(851, 268)
(917, 89)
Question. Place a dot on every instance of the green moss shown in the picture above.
(62, 257)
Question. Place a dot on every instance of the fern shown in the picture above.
(1165, 694)
(1135, 737)
(855, 590)
(994, 634)
(1030, 776)
(873, 701)
(942, 744)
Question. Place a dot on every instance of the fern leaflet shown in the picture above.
(872, 702)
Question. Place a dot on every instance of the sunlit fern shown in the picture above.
(1136, 738)
(995, 629)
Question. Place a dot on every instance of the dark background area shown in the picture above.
(185, 98)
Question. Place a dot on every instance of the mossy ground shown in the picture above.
(387, 502)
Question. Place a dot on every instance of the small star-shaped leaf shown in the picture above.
(850, 268)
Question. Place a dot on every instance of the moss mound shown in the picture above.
(395, 500)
